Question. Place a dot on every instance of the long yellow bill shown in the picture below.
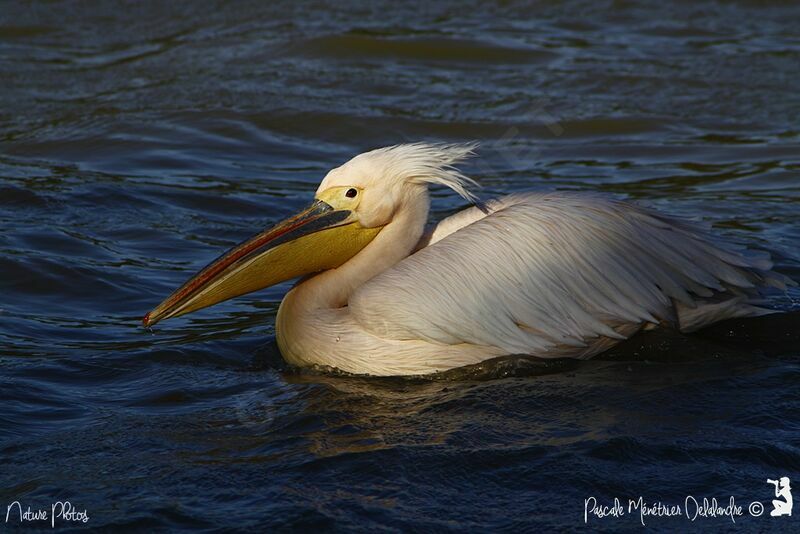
(317, 239)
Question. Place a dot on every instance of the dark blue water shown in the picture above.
(139, 140)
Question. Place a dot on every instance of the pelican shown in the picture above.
(562, 274)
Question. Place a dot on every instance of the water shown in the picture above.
(138, 141)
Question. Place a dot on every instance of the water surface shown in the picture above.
(137, 141)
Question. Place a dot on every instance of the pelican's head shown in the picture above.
(353, 203)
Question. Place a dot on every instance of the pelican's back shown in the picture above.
(561, 274)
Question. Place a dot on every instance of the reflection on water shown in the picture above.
(137, 143)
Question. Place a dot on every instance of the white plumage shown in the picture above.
(548, 274)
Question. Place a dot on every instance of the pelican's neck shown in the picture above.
(332, 289)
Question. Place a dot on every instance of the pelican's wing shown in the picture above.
(556, 274)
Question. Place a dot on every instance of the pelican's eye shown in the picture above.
(351, 193)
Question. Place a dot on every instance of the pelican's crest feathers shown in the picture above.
(421, 163)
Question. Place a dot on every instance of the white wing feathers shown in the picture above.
(559, 274)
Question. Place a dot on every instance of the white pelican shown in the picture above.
(562, 274)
